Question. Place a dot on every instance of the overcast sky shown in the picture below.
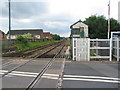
(54, 16)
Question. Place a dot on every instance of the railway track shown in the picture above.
(27, 53)
(33, 53)
(37, 78)
(42, 71)
(38, 55)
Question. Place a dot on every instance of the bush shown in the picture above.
(21, 42)
(55, 37)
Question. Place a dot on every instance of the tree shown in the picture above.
(28, 36)
(56, 37)
(115, 25)
(98, 26)
(21, 42)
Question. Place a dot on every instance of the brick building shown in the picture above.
(2, 35)
(36, 33)
(47, 35)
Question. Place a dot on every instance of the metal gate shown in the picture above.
(81, 49)
(85, 49)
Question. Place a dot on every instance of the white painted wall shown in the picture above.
(37, 36)
(14, 36)
(80, 24)
(11, 36)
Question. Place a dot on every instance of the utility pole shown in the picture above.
(109, 19)
(9, 20)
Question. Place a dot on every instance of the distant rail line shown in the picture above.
(38, 55)
(37, 78)
(27, 53)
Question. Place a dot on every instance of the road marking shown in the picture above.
(94, 77)
(19, 72)
(54, 75)
(65, 77)
(93, 80)
(49, 77)
(15, 74)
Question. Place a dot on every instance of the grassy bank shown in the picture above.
(31, 45)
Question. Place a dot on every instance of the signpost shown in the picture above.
(115, 36)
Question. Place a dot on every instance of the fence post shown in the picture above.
(117, 49)
(73, 48)
(111, 49)
(88, 49)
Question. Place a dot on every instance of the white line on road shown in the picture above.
(94, 77)
(93, 80)
(66, 77)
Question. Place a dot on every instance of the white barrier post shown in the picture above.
(117, 49)
(88, 49)
(111, 49)
(73, 48)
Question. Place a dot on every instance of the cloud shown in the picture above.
(67, 34)
(55, 24)
(54, 16)
(25, 20)
(25, 9)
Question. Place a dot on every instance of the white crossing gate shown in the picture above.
(86, 49)
(81, 49)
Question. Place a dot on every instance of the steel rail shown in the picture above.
(37, 78)
(32, 50)
(27, 61)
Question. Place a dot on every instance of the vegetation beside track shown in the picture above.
(31, 45)
(24, 44)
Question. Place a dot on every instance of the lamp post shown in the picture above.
(108, 19)
(9, 19)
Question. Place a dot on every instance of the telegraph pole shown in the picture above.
(9, 19)
(109, 19)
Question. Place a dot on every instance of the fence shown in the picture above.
(116, 48)
(8, 43)
(85, 49)
(99, 48)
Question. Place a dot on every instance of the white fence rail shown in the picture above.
(100, 48)
(116, 48)
(85, 49)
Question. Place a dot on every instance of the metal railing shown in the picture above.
(116, 48)
(99, 48)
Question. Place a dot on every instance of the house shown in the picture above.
(47, 35)
(2, 35)
(36, 33)
(79, 30)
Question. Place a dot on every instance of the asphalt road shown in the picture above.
(23, 76)
(90, 75)
(75, 75)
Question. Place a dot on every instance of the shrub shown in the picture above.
(21, 42)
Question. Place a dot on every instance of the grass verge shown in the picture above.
(33, 45)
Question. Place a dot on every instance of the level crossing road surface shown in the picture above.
(91, 75)
(73, 74)
(21, 77)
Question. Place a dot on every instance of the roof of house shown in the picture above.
(21, 32)
(46, 32)
(1, 32)
(76, 23)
